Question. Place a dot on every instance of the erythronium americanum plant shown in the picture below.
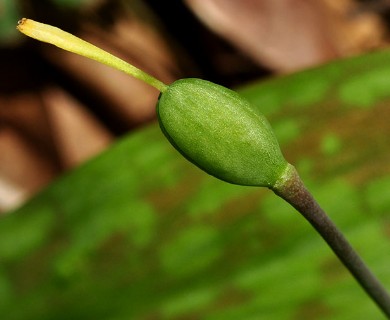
(218, 131)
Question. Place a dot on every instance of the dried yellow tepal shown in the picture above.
(69, 42)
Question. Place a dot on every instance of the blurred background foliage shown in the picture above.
(137, 232)
(58, 110)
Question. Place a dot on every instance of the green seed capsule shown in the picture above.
(210, 125)
(217, 130)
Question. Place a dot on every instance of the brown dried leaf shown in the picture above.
(77, 134)
(23, 170)
(289, 34)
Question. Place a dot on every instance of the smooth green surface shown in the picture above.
(141, 233)
(217, 129)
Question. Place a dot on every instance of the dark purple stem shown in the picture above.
(291, 188)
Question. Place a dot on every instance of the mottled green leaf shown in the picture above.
(140, 233)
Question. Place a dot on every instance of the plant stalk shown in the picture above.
(291, 188)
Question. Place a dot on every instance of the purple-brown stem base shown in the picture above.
(291, 188)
